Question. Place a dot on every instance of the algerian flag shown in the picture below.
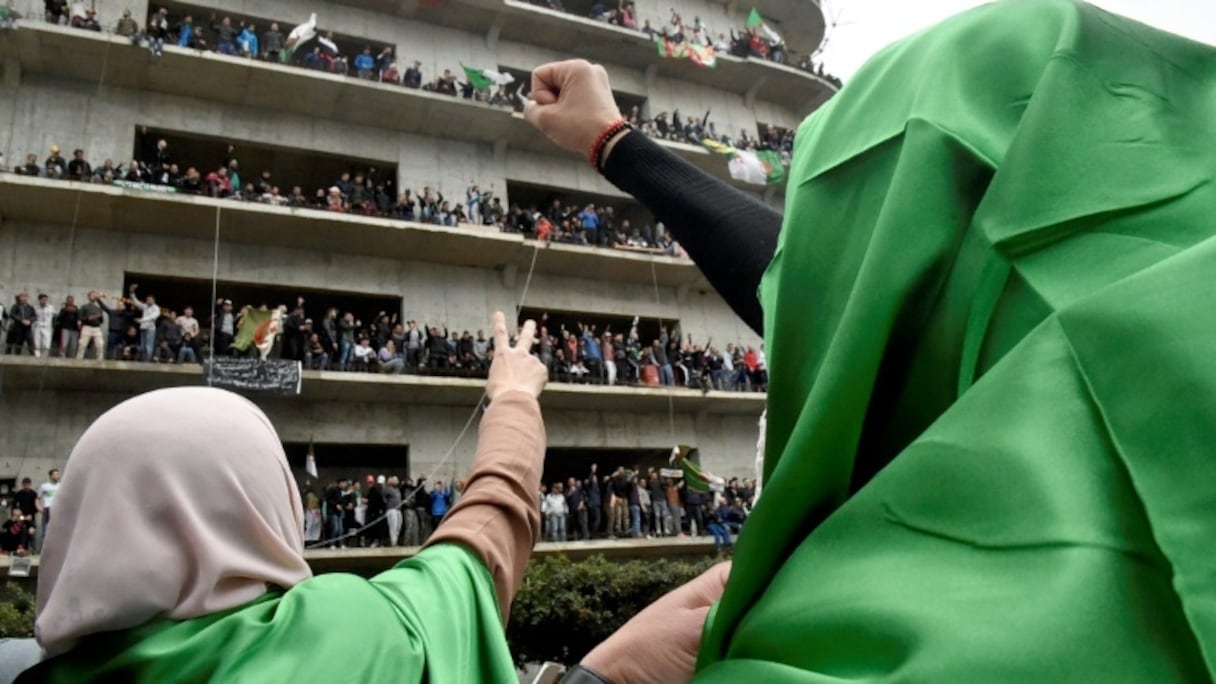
(702, 55)
(761, 167)
(483, 79)
(695, 479)
(330, 46)
(310, 463)
(755, 21)
(255, 329)
(670, 49)
(298, 36)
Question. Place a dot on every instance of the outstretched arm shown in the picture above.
(497, 518)
(731, 236)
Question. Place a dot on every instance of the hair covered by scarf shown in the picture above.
(175, 504)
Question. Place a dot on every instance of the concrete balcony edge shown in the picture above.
(107, 207)
(372, 561)
(112, 60)
(30, 374)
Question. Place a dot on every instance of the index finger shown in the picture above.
(501, 341)
(527, 336)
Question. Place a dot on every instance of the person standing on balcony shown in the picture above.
(272, 43)
(91, 316)
(595, 502)
(149, 315)
(47, 493)
(365, 64)
(392, 505)
(67, 329)
(158, 31)
(21, 317)
(441, 503)
(44, 326)
(226, 35)
(555, 510)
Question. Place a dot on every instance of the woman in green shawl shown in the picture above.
(175, 553)
(992, 406)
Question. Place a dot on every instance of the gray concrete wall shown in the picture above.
(60, 260)
(440, 48)
(41, 427)
(46, 111)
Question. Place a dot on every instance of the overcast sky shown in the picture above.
(862, 27)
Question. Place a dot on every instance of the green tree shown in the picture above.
(16, 612)
(565, 608)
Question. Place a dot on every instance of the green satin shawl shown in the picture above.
(991, 323)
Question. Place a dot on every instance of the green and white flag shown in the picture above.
(695, 479)
(483, 79)
(298, 36)
(758, 167)
(310, 462)
(757, 23)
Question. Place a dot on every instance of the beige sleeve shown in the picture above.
(498, 517)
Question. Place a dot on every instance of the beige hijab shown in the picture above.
(177, 503)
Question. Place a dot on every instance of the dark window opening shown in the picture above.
(564, 463)
(774, 137)
(204, 18)
(556, 321)
(311, 171)
(178, 293)
(347, 461)
(630, 224)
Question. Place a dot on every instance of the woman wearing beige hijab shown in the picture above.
(176, 553)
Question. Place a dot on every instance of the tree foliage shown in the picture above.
(16, 612)
(565, 608)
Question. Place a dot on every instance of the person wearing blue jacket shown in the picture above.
(247, 41)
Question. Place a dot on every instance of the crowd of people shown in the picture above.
(365, 191)
(241, 39)
(628, 503)
(375, 511)
(29, 514)
(694, 131)
(244, 39)
(136, 328)
(747, 41)
(380, 63)
(390, 510)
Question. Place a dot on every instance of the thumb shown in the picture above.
(708, 586)
(537, 114)
(544, 95)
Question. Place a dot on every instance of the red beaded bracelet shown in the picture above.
(597, 150)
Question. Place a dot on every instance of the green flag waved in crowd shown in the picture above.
(758, 167)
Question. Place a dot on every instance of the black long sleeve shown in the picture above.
(729, 235)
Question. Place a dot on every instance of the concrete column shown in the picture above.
(12, 73)
(492, 34)
(110, 11)
(749, 98)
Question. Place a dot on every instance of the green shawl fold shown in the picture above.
(433, 618)
(990, 329)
